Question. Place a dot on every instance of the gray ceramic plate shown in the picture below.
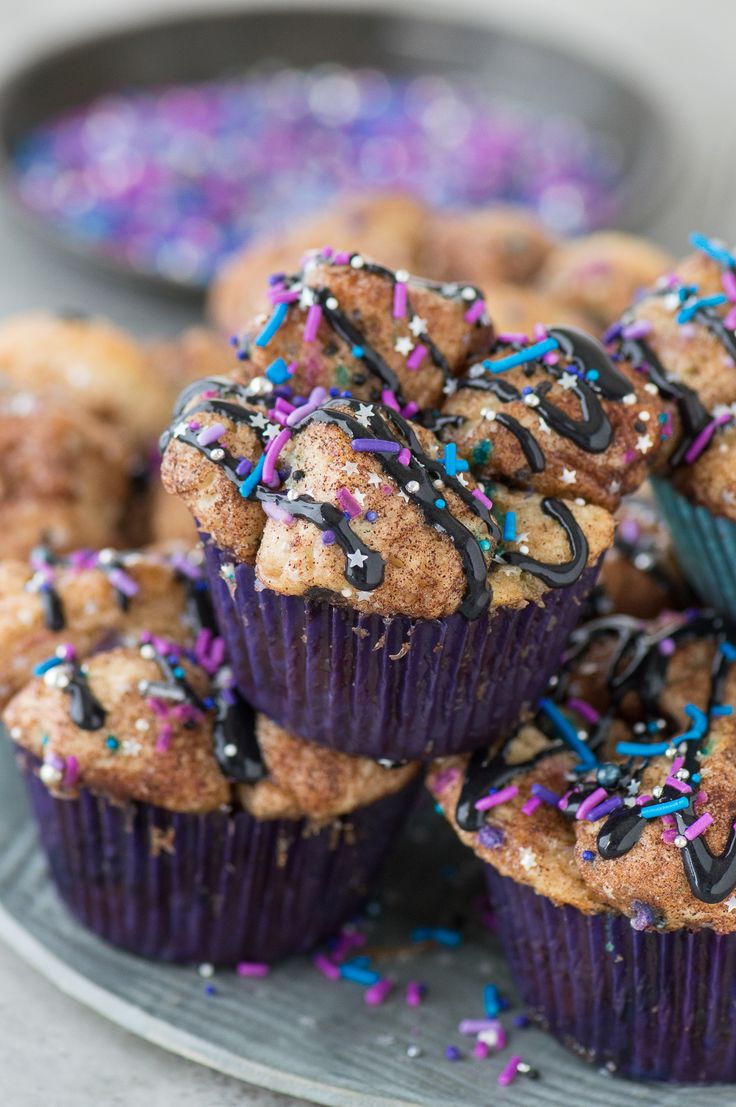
(296, 1032)
(201, 46)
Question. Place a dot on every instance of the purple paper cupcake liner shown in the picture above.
(705, 545)
(221, 887)
(388, 687)
(652, 1006)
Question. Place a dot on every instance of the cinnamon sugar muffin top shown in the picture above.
(89, 362)
(710, 480)
(64, 477)
(389, 226)
(600, 274)
(499, 243)
(351, 500)
(554, 413)
(163, 725)
(682, 336)
(350, 325)
(518, 308)
(620, 792)
(89, 598)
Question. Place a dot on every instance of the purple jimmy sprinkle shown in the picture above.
(301, 140)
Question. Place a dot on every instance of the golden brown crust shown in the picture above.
(494, 451)
(559, 856)
(711, 479)
(183, 777)
(90, 606)
(64, 477)
(689, 352)
(306, 780)
(366, 299)
(518, 309)
(386, 226)
(424, 577)
(212, 498)
(168, 517)
(600, 274)
(497, 244)
(125, 759)
(88, 362)
(534, 850)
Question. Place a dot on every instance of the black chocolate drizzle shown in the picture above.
(416, 481)
(637, 666)
(592, 432)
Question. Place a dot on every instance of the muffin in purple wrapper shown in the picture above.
(607, 827)
(180, 826)
(369, 597)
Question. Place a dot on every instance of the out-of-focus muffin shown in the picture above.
(387, 226)
(600, 274)
(486, 246)
(87, 362)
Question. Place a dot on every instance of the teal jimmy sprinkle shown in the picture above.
(567, 732)
(530, 353)
(654, 810)
(253, 478)
(276, 319)
(713, 249)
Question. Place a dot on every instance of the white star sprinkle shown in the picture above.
(259, 421)
(359, 496)
(417, 325)
(351, 468)
(527, 859)
(569, 476)
(357, 559)
(404, 345)
(181, 430)
(614, 487)
(568, 381)
(306, 298)
(374, 478)
(544, 426)
(364, 413)
(403, 495)
(462, 479)
(270, 431)
(644, 443)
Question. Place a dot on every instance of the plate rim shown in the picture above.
(642, 184)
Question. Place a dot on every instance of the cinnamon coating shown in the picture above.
(346, 323)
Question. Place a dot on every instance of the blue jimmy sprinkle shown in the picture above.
(277, 317)
(529, 353)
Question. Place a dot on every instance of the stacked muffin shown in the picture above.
(403, 511)
(399, 607)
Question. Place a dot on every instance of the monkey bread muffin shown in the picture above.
(353, 557)
(606, 824)
(86, 362)
(180, 827)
